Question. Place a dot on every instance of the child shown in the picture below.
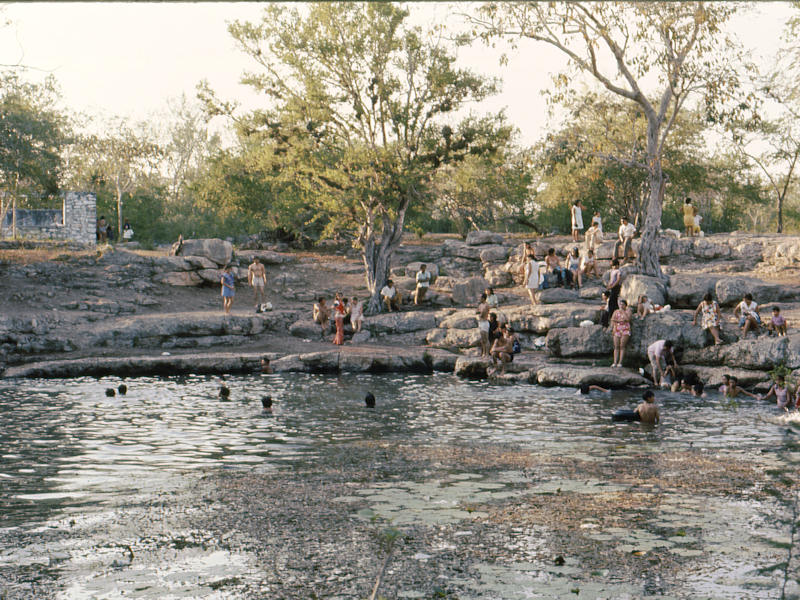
(645, 307)
(747, 311)
(778, 322)
(647, 410)
(266, 404)
(726, 381)
(587, 389)
(733, 390)
(669, 377)
(782, 393)
(589, 264)
(356, 314)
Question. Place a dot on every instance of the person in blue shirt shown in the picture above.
(228, 292)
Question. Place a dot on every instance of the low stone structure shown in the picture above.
(76, 221)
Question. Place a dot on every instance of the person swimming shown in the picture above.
(110, 392)
(122, 389)
(266, 403)
(369, 400)
(587, 388)
(224, 392)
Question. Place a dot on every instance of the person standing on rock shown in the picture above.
(577, 220)
(624, 239)
(423, 281)
(710, 317)
(533, 276)
(356, 314)
(483, 325)
(228, 289)
(593, 236)
(321, 314)
(339, 310)
(621, 332)
(688, 217)
(747, 312)
(613, 286)
(257, 278)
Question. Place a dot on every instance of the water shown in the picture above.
(74, 460)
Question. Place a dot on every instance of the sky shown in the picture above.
(128, 59)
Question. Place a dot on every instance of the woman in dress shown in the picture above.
(577, 220)
(621, 332)
(228, 283)
(532, 275)
(688, 217)
(339, 310)
(710, 317)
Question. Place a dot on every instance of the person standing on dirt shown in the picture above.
(102, 230)
(257, 278)
(228, 289)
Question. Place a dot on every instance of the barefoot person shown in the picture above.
(708, 310)
(657, 352)
(533, 275)
(228, 283)
(423, 281)
(624, 239)
(503, 349)
(589, 265)
(321, 314)
(621, 332)
(777, 324)
(390, 296)
(483, 325)
(688, 217)
(747, 311)
(577, 220)
(356, 314)
(257, 278)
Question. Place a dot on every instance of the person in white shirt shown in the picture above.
(533, 276)
(747, 311)
(598, 219)
(423, 281)
(624, 239)
(390, 296)
(577, 220)
(661, 349)
(593, 236)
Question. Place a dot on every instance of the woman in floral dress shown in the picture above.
(709, 317)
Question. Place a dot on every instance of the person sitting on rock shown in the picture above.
(747, 312)
(503, 349)
(782, 393)
(732, 390)
(589, 265)
(624, 239)
(710, 317)
(573, 267)
(483, 325)
(423, 281)
(321, 314)
(553, 266)
(645, 307)
(777, 324)
(647, 410)
(391, 296)
(494, 328)
(594, 236)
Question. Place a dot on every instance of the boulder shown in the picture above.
(759, 353)
(445, 283)
(361, 337)
(712, 376)
(556, 296)
(707, 249)
(635, 286)
(460, 320)
(439, 299)
(479, 238)
(267, 257)
(399, 322)
(453, 339)
(165, 264)
(307, 329)
(441, 360)
(472, 367)
(460, 249)
(405, 283)
(664, 325)
(211, 276)
(220, 252)
(199, 262)
(459, 267)
(180, 278)
(469, 291)
(494, 254)
(687, 291)
(590, 291)
(579, 341)
(541, 318)
(731, 290)
(498, 277)
(575, 376)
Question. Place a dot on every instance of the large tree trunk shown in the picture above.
(648, 252)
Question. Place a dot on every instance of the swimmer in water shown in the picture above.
(224, 392)
(266, 404)
(782, 393)
(733, 389)
(122, 389)
(647, 410)
(110, 392)
(369, 400)
(587, 389)
(266, 368)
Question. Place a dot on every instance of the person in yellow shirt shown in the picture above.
(688, 217)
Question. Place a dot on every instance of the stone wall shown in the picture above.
(76, 221)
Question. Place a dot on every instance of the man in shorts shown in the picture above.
(391, 297)
(257, 278)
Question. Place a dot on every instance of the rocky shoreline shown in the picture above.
(88, 330)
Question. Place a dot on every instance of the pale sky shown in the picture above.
(128, 59)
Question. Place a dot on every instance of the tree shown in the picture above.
(677, 46)
(361, 115)
(122, 158)
(32, 133)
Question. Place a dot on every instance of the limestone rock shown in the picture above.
(460, 249)
(541, 318)
(731, 290)
(198, 262)
(478, 238)
(165, 264)
(635, 286)
(472, 367)
(575, 376)
(266, 257)
(180, 278)
(579, 341)
(687, 291)
(220, 252)
(759, 353)
(399, 322)
(494, 254)
(556, 296)
(664, 325)
(591, 291)
(469, 291)
(307, 329)
(360, 337)
(712, 376)
(463, 319)
(458, 267)
(441, 360)
(498, 277)
(453, 339)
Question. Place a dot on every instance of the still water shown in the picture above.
(71, 457)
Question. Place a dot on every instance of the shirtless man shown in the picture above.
(503, 349)
(483, 325)
(647, 410)
(257, 278)
(321, 314)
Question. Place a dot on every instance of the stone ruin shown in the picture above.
(75, 221)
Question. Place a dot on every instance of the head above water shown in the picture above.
(649, 396)
(266, 402)
(122, 389)
(584, 388)
(369, 400)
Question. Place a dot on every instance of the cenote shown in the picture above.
(473, 490)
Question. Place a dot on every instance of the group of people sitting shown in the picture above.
(392, 298)
(548, 273)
